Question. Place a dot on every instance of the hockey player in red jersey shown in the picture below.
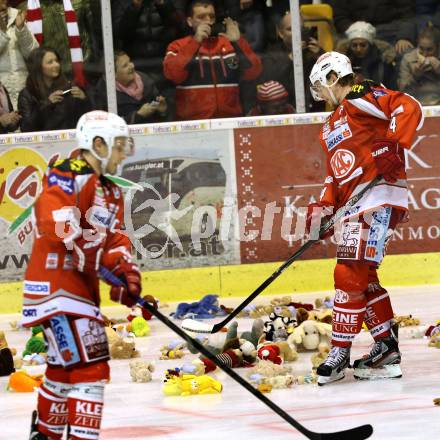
(364, 137)
(78, 221)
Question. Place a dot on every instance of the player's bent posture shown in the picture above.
(78, 220)
(364, 137)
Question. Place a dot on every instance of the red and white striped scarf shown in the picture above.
(34, 19)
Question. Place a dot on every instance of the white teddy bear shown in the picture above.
(140, 370)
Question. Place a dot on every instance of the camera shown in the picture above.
(309, 32)
(218, 28)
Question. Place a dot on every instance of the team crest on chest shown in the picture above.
(342, 163)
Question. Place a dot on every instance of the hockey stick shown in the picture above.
(202, 327)
(358, 433)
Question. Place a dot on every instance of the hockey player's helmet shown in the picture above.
(326, 63)
(102, 124)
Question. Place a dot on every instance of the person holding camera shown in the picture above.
(419, 73)
(49, 101)
(16, 43)
(208, 66)
(138, 98)
(278, 60)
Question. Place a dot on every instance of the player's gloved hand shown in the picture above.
(87, 252)
(389, 158)
(322, 211)
(129, 274)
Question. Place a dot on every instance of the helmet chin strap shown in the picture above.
(332, 95)
(102, 160)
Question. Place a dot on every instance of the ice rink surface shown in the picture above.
(400, 409)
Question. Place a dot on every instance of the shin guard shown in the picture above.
(379, 313)
(85, 404)
(351, 281)
(52, 408)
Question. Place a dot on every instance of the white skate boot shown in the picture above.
(332, 369)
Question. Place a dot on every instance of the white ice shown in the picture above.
(400, 409)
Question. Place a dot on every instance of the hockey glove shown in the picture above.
(388, 158)
(130, 275)
(322, 211)
(86, 254)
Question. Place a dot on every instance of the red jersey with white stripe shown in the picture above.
(369, 112)
(74, 199)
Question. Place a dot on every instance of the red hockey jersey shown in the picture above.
(368, 112)
(74, 199)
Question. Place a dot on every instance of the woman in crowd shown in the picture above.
(138, 98)
(49, 101)
(419, 73)
(371, 58)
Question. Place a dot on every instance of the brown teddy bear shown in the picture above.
(120, 348)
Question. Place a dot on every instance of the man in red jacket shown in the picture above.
(208, 66)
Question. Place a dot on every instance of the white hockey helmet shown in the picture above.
(107, 126)
(326, 63)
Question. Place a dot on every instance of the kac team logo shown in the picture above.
(342, 163)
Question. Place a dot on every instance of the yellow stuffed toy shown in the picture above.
(140, 326)
(188, 384)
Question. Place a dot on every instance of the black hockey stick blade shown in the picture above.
(201, 327)
(359, 433)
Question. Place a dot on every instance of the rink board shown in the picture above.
(240, 170)
(240, 280)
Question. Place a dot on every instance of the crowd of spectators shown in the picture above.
(199, 59)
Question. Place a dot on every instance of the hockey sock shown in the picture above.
(348, 316)
(379, 311)
(85, 405)
(351, 280)
(52, 408)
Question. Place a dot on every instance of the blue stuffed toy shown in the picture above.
(206, 308)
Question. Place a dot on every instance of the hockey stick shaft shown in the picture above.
(325, 227)
(358, 433)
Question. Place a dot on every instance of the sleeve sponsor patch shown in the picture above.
(379, 93)
(64, 182)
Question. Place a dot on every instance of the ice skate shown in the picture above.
(332, 369)
(35, 434)
(383, 361)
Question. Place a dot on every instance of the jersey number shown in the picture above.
(393, 124)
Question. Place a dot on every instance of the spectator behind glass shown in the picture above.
(207, 67)
(427, 11)
(419, 73)
(9, 118)
(16, 42)
(144, 28)
(278, 65)
(49, 101)
(393, 19)
(371, 59)
(138, 98)
(271, 100)
(249, 15)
